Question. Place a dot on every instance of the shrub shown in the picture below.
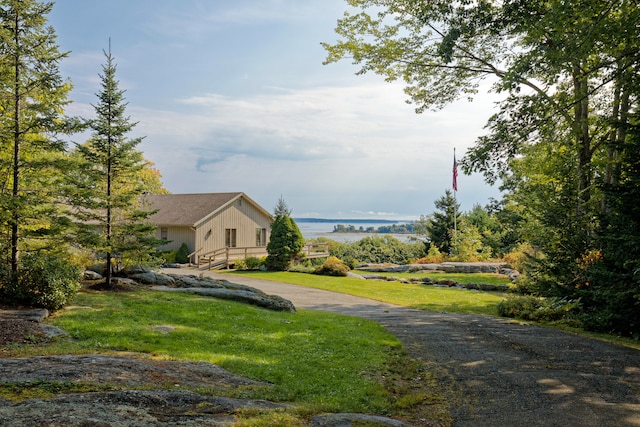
(307, 265)
(434, 256)
(182, 255)
(332, 267)
(169, 257)
(302, 268)
(253, 263)
(43, 281)
(240, 264)
(517, 258)
(375, 249)
(540, 309)
(249, 263)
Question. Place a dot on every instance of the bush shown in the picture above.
(540, 309)
(379, 250)
(249, 263)
(182, 255)
(169, 257)
(332, 267)
(517, 258)
(240, 264)
(253, 263)
(434, 256)
(43, 281)
(307, 265)
(302, 268)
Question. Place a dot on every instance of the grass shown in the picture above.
(430, 298)
(310, 357)
(321, 362)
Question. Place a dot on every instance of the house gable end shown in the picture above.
(240, 196)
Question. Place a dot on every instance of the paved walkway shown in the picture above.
(497, 373)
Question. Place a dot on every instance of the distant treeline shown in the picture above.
(388, 229)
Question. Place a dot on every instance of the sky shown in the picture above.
(233, 96)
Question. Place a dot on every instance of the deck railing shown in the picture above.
(316, 250)
(224, 257)
(193, 259)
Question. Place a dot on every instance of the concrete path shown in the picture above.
(494, 372)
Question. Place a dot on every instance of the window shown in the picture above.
(230, 237)
(164, 232)
(261, 236)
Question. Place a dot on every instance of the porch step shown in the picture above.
(215, 265)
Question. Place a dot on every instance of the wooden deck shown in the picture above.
(226, 257)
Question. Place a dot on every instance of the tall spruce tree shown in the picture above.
(442, 222)
(111, 185)
(610, 291)
(32, 97)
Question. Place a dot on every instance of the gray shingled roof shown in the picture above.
(186, 209)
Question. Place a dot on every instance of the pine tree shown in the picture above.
(32, 96)
(286, 239)
(442, 222)
(111, 185)
(611, 287)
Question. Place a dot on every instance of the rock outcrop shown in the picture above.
(445, 267)
(201, 285)
(224, 289)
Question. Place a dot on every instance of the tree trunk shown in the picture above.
(109, 219)
(15, 215)
(582, 139)
(617, 136)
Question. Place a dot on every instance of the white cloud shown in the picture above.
(321, 146)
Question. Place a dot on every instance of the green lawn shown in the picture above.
(322, 361)
(423, 297)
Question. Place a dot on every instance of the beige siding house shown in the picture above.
(213, 225)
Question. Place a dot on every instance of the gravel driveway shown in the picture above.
(498, 373)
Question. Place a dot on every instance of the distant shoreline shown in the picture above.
(353, 237)
(355, 221)
(349, 229)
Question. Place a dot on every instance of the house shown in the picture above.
(214, 226)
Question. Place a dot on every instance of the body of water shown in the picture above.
(312, 228)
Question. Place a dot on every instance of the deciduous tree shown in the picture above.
(568, 73)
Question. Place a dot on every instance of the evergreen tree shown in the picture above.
(442, 223)
(286, 240)
(32, 96)
(281, 208)
(610, 290)
(111, 185)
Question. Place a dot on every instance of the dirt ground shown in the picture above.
(19, 331)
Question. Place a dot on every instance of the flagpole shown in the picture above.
(455, 199)
(455, 191)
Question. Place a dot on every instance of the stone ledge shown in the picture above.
(31, 314)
